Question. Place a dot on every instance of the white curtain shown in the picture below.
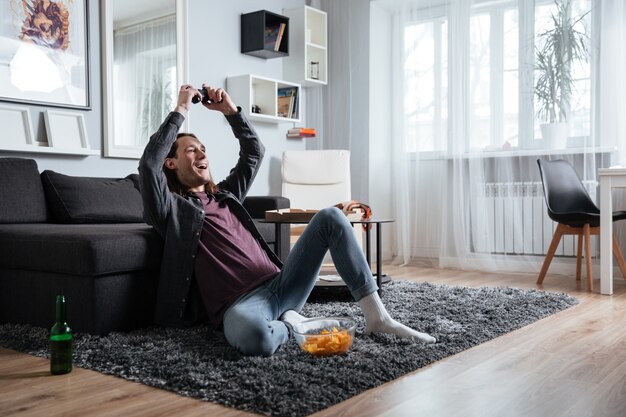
(329, 107)
(611, 81)
(315, 104)
(144, 78)
(465, 131)
(610, 116)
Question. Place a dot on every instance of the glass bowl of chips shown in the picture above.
(325, 336)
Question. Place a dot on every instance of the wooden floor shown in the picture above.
(570, 364)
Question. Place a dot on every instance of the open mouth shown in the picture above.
(201, 166)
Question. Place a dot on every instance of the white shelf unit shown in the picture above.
(308, 32)
(44, 148)
(252, 90)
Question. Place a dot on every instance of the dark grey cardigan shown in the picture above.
(178, 219)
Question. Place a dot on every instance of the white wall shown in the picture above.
(214, 46)
(214, 54)
(361, 97)
(379, 121)
(80, 165)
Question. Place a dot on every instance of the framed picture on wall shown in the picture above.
(44, 52)
(17, 128)
(66, 130)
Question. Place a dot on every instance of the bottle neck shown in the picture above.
(61, 312)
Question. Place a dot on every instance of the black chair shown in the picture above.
(571, 207)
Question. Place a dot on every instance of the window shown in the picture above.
(579, 113)
(510, 77)
(480, 75)
(142, 102)
(494, 64)
(494, 84)
(426, 104)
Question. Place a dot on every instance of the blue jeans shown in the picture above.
(251, 324)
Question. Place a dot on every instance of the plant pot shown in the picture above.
(554, 135)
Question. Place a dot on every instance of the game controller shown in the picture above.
(205, 97)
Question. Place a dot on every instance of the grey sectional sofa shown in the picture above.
(84, 238)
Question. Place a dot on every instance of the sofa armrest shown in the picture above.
(258, 205)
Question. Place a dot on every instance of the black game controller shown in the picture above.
(205, 97)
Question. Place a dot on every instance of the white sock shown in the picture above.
(377, 319)
(291, 317)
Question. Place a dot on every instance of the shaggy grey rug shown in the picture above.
(198, 363)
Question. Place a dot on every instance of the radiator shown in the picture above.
(515, 221)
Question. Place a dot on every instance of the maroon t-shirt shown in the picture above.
(230, 261)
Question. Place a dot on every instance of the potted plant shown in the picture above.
(556, 50)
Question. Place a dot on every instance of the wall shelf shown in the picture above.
(261, 34)
(51, 150)
(308, 62)
(273, 98)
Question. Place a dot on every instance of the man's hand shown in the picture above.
(220, 101)
(186, 93)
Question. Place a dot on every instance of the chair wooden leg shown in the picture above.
(553, 245)
(587, 232)
(579, 256)
(617, 251)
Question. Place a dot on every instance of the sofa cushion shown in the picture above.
(92, 200)
(256, 206)
(22, 198)
(84, 249)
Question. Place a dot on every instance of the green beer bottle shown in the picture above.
(60, 341)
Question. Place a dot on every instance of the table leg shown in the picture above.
(606, 235)
(379, 257)
(277, 241)
(368, 248)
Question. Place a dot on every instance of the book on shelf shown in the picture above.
(294, 108)
(291, 105)
(302, 130)
(271, 36)
(283, 106)
(286, 96)
(281, 32)
(274, 36)
(299, 135)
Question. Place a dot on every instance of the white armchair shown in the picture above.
(315, 180)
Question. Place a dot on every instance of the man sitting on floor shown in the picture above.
(208, 235)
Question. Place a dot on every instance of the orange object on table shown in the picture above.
(352, 205)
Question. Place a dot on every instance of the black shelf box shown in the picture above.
(260, 32)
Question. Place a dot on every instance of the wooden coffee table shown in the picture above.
(380, 277)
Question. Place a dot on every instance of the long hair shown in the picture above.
(173, 183)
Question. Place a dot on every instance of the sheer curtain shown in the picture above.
(329, 108)
(466, 134)
(315, 102)
(144, 78)
(335, 109)
(611, 83)
(610, 64)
